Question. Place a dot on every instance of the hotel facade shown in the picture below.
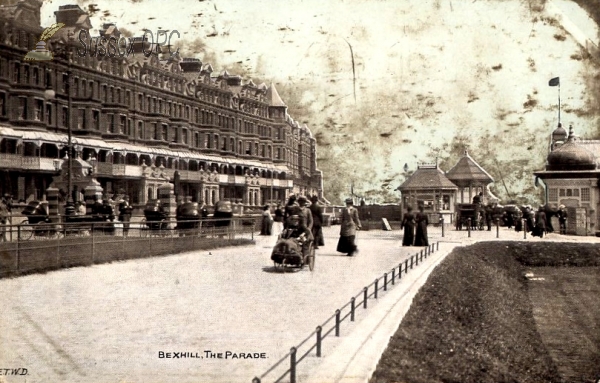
(141, 117)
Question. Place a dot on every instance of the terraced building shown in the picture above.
(215, 135)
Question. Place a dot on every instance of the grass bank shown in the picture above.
(473, 319)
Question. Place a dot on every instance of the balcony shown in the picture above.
(105, 169)
(18, 162)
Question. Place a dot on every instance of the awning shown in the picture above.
(62, 139)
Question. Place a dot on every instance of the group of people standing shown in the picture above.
(415, 227)
(310, 217)
(539, 222)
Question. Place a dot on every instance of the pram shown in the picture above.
(288, 252)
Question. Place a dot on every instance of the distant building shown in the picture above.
(439, 192)
(134, 113)
(572, 179)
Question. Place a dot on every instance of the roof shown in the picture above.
(466, 169)
(273, 97)
(427, 177)
(593, 146)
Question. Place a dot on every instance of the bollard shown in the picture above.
(385, 282)
(293, 365)
(365, 298)
(469, 226)
(256, 380)
(376, 282)
(337, 322)
(352, 309)
(497, 228)
(319, 340)
(524, 224)
(438, 246)
(442, 222)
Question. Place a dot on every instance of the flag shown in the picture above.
(554, 82)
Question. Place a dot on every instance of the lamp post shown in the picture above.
(50, 94)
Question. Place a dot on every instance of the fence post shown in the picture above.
(352, 308)
(442, 219)
(411, 261)
(406, 266)
(497, 228)
(376, 287)
(365, 297)
(18, 248)
(469, 226)
(319, 339)
(438, 245)
(256, 380)
(93, 234)
(337, 322)
(293, 365)
(400, 271)
(394, 276)
(385, 282)
(418, 255)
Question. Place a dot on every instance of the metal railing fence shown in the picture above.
(347, 311)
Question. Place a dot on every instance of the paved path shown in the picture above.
(108, 323)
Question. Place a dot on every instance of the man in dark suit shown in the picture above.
(317, 216)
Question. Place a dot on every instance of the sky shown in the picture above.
(424, 71)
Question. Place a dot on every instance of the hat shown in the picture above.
(314, 198)
(349, 200)
(302, 199)
(561, 207)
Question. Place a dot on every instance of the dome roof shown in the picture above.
(571, 156)
(559, 133)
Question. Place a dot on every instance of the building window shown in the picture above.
(216, 141)
(165, 132)
(65, 117)
(184, 135)
(248, 148)
(96, 119)
(36, 76)
(2, 104)
(130, 131)
(140, 133)
(207, 142)
(575, 192)
(155, 133)
(585, 194)
(49, 114)
(122, 122)
(26, 74)
(569, 192)
(17, 73)
(81, 119)
(104, 93)
(232, 145)
(562, 192)
(197, 140)
(175, 135)
(278, 153)
(22, 112)
(140, 102)
(128, 98)
(39, 110)
(224, 144)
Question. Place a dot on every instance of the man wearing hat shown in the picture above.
(349, 224)
(562, 219)
(317, 216)
(306, 215)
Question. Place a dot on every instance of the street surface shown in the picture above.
(108, 323)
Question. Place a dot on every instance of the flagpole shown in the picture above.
(559, 102)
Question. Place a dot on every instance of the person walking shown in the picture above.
(125, 211)
(278, 220)
(317, 216)
(562, 219)
(540, 223)
(350, 223)
(408, 224)
(3, 219)
(421, 222)
(291, 208)
(267, 221)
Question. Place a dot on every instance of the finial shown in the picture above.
(571, 133)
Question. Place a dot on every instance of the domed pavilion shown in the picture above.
(572, 179)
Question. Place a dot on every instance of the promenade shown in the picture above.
(111, 322)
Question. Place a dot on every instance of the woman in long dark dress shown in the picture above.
(408, 224)
(350, 223)
(422, 222)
